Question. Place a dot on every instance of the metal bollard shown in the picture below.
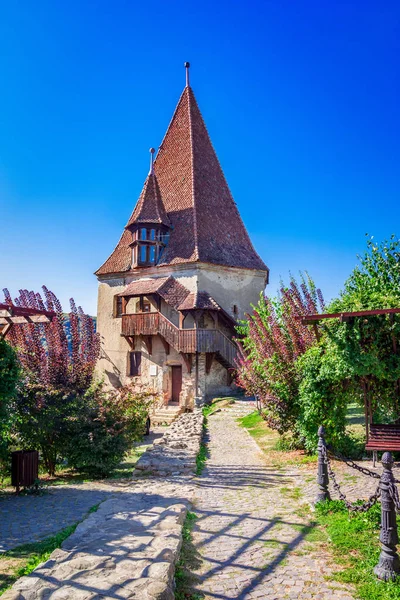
(389, 565)
(322, 477)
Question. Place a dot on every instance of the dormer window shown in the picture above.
(148, 244)
(143, 254)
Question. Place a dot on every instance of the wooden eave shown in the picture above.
(344, 316)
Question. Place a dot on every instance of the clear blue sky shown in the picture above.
(301, 100)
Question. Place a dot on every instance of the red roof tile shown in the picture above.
(206, 225)
(149, 207)
(173, 292)
(201, 300)
(143, 287)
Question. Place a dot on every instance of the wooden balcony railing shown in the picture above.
(182, 340)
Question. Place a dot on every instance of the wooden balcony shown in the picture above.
(187, 341)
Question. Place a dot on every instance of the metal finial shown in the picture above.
(152, 160)
(187, 67)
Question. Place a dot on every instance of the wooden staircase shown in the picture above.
(187, 341)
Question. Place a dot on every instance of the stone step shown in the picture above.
(165, 414)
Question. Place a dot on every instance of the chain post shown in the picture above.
(322, 477)
(389, 564)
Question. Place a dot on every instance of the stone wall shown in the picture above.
(175, 453)
(127, 549)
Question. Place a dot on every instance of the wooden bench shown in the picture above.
(383, 438)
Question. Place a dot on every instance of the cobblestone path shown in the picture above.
(250, 535)
(26, 519)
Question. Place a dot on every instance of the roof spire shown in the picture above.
(151, 172)
(187, 66)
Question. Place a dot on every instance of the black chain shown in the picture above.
(394, 494)
(350, 505)
(353, 465)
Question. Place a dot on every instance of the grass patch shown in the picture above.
(216, 405)
(201, 458)
(189, 559)
(294, 493)
(66, 475)
(356, 548)
(24, 559)
(276, 451)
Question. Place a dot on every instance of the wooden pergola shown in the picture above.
(11, 315)
(378, 437)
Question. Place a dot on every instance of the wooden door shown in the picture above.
(176, 375)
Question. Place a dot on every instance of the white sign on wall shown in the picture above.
(153, 370)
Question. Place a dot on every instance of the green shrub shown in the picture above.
(352, 444)
(43, 414)
(104, 428)
(9, 374)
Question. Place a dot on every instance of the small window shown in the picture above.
(118, 306)
(142, 253)
(146, 307)
(152, 254)
(152, 234)
(143, 234)
(165, 238)
(135, 360)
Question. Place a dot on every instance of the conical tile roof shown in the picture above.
(149, 207)
(206, 224)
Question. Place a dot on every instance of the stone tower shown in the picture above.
(183, 272)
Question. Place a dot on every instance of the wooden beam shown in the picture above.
(131, 341)
(309, 319)
(188, 361)
(21, 311)
(148, 340)
(5, 329)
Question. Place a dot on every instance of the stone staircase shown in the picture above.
(165, 415)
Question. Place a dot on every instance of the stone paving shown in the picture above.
(127, 549)
(26, 519)
(248, 534)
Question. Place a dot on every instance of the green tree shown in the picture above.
(58, 359)
(9, 374)
(359, 358)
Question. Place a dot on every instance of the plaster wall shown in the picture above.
(114, 348)
(217, 381)
(230, 286)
